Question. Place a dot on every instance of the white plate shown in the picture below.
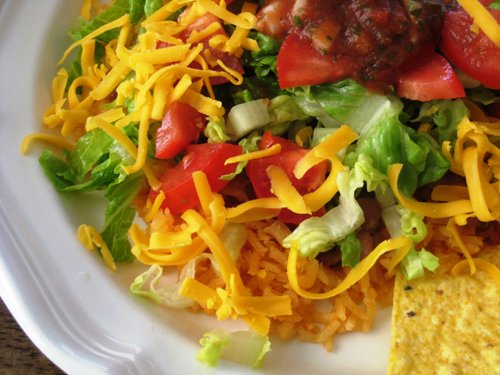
(75, 310)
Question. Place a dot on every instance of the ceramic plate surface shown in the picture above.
(75, 310)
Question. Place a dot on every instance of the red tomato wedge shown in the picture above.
(299, 64)
(429, 77)
(286, 159)
(474, 53)
(181, 126)
(177, 182)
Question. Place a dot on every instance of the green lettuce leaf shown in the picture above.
(344, 102)
(445, 115)
(350, 250)
(215, 130)
(415, 262)
(244, 347)
(117, 9)
(249, 144)
(96, 164)
(263, 61)
(154, 285)
(319, 234)
(151, 6)
(119, 215)
(387, 141)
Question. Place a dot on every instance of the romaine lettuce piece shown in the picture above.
(319, 234)
(350, 250)
(117, 9)
(151, 6)
(263, 61)
(401, 221)
(153, 284)
(215, 130)
(95, 164)
(414, 264)
(248, 144)
(445, 115)
(387, 141)
(244, 347)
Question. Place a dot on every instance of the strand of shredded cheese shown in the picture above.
(352, 277)
(91, 238)
(483, 19)
(273, 150)
(433, 210)
(119, 22)
(282, 187)
(55, 140)
(451, 227)
(481, 264)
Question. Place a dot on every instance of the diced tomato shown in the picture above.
(268, 140)
(177, 182)
(274, 18)
(311, 68)
(429, 76)
(474, 53)
(290, 154)
(181, 126)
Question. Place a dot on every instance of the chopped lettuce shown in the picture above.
(350, 250)
(263, 61)
(95, 164)
(319, 234)
(233, 236)
(154, 285)
(151, 6)
(284, 109)
(249, 144)
(215, 130)
(82, 27)
(401, 221)
(119, 215)
(416, 261)
(246, 117)
(334, 104)
(244, 347)
(412, 224)
(445, 115)
(387, 141)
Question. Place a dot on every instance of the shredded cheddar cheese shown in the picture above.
(149, 66)
(483, 19)
(273, 150)
(90, 238)
(56, 140)
(479, 263)
(354, 275)
(282, 187)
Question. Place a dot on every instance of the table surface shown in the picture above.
(18, 355)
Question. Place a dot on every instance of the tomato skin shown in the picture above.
(312, 68)
(474, 53)
(290, 154)
(177, 182)
(429, 77)
(268, 140)
(181, 126)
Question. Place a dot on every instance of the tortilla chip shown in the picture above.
(446, 324)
